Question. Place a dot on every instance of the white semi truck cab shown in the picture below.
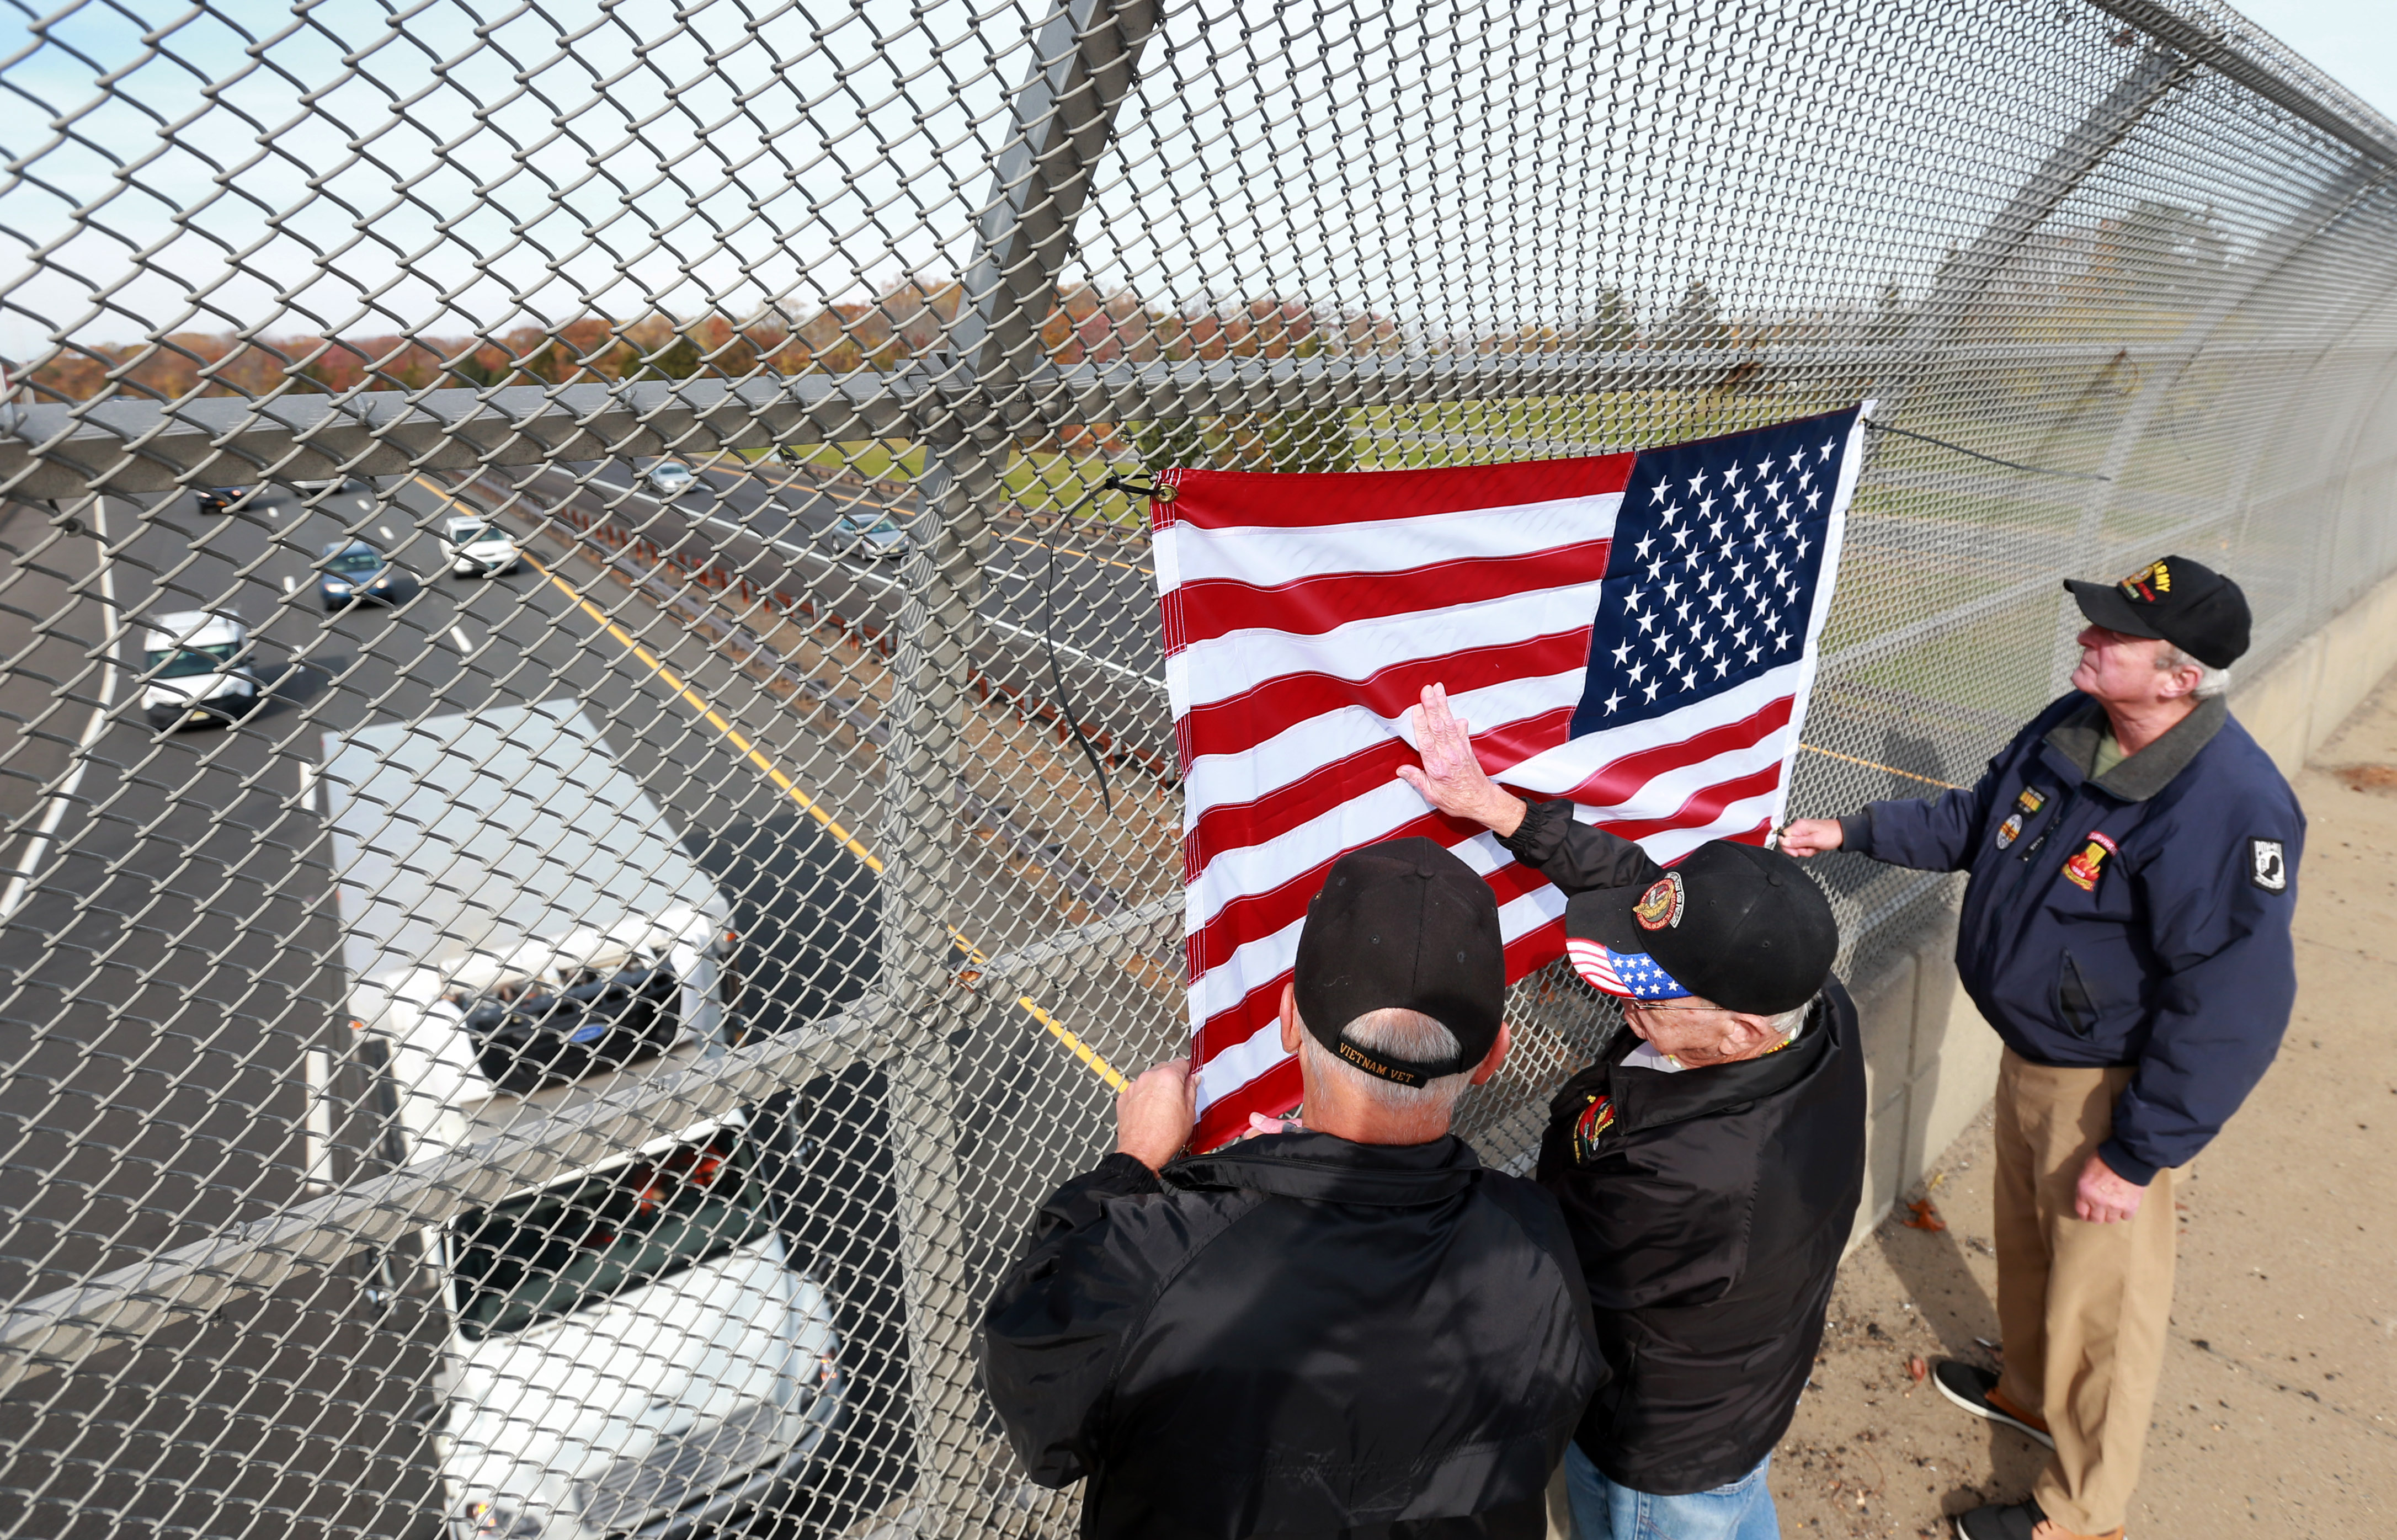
(630, 1350)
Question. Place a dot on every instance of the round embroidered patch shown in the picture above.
(1661, 905)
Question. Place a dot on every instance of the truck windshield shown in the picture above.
(357, 558)
(184, 662)
(540, 1256)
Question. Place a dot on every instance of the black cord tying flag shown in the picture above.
(1057, 678)
(2009, 464)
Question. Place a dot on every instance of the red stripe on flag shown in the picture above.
(1310, 607)
(1703, 807)
(1225, 500)
(1238, 723)
(1622, 778)
(1226, 1117)
(1232, 826)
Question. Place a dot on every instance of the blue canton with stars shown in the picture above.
(1718, 548)
(1638, 972)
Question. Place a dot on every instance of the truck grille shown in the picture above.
(682, 1470)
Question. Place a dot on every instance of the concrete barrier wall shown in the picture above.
(1930, 1061)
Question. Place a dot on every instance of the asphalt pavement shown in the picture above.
(174, 965)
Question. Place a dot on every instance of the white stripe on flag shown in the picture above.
(1236, 662)
(1569, 764)
(1265, 865)
(1267, 557)
(1303, 748)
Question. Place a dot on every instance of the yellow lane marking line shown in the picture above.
(1082, 1051)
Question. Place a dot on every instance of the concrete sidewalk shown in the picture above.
(2278, 1410)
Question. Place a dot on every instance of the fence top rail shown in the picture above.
(132, 446)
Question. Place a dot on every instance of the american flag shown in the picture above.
(1633, 632)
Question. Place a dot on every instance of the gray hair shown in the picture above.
(2211, 681)
(1792, 1018)
(1402, 1034)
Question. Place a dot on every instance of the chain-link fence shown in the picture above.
(591, 812)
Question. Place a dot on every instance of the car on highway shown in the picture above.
(194, 671)
(356, 571)
(867, 537)
(669, 479)
(216, 501)
(475, 546)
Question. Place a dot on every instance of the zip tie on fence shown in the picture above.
(1153, 488)
(2009, 464)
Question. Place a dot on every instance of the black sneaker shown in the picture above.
(1970, 1387)
(2012, 1521)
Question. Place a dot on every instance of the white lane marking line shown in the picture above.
(21, 881)
(290, 583)
(385, 530)
(458, 635)
(316, 1125)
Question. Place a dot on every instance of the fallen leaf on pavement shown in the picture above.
(1923, 1216)
(1916, 1369)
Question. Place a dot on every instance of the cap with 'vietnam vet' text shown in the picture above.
(2174, 599)
(1403, 924)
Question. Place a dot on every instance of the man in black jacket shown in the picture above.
(1709, 1164)
(1351, 1330)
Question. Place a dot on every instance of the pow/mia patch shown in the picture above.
(2149, 584)
(2088, 864)
(2267, 866)
(1661, 905)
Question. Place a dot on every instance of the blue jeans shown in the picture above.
(1602, 1510)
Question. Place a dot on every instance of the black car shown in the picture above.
(355, 570)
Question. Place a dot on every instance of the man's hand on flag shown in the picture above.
(1450, 778)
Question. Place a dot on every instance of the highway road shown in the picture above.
(173, 970)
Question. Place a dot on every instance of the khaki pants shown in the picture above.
(2082, 1306)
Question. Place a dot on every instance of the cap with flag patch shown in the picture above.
(2174, 599)
(1733, 924)
(1403, 923)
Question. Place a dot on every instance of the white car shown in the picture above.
(477, 547)
(194, 670)
(631, 1352)
(669, 479)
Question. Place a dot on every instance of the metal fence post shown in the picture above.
(923, 867)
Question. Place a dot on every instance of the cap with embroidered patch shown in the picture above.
(1403, 924)
(2174, 599)
(1734, 924)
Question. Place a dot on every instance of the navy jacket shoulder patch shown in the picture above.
(2267, 866)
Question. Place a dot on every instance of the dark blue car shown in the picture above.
(355, 570)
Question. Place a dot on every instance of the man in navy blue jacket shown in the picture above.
(2134, 860)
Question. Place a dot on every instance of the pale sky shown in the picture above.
(2354, 42)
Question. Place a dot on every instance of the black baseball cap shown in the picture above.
(1734, 924)
(2191, 606)
(1403, 923)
